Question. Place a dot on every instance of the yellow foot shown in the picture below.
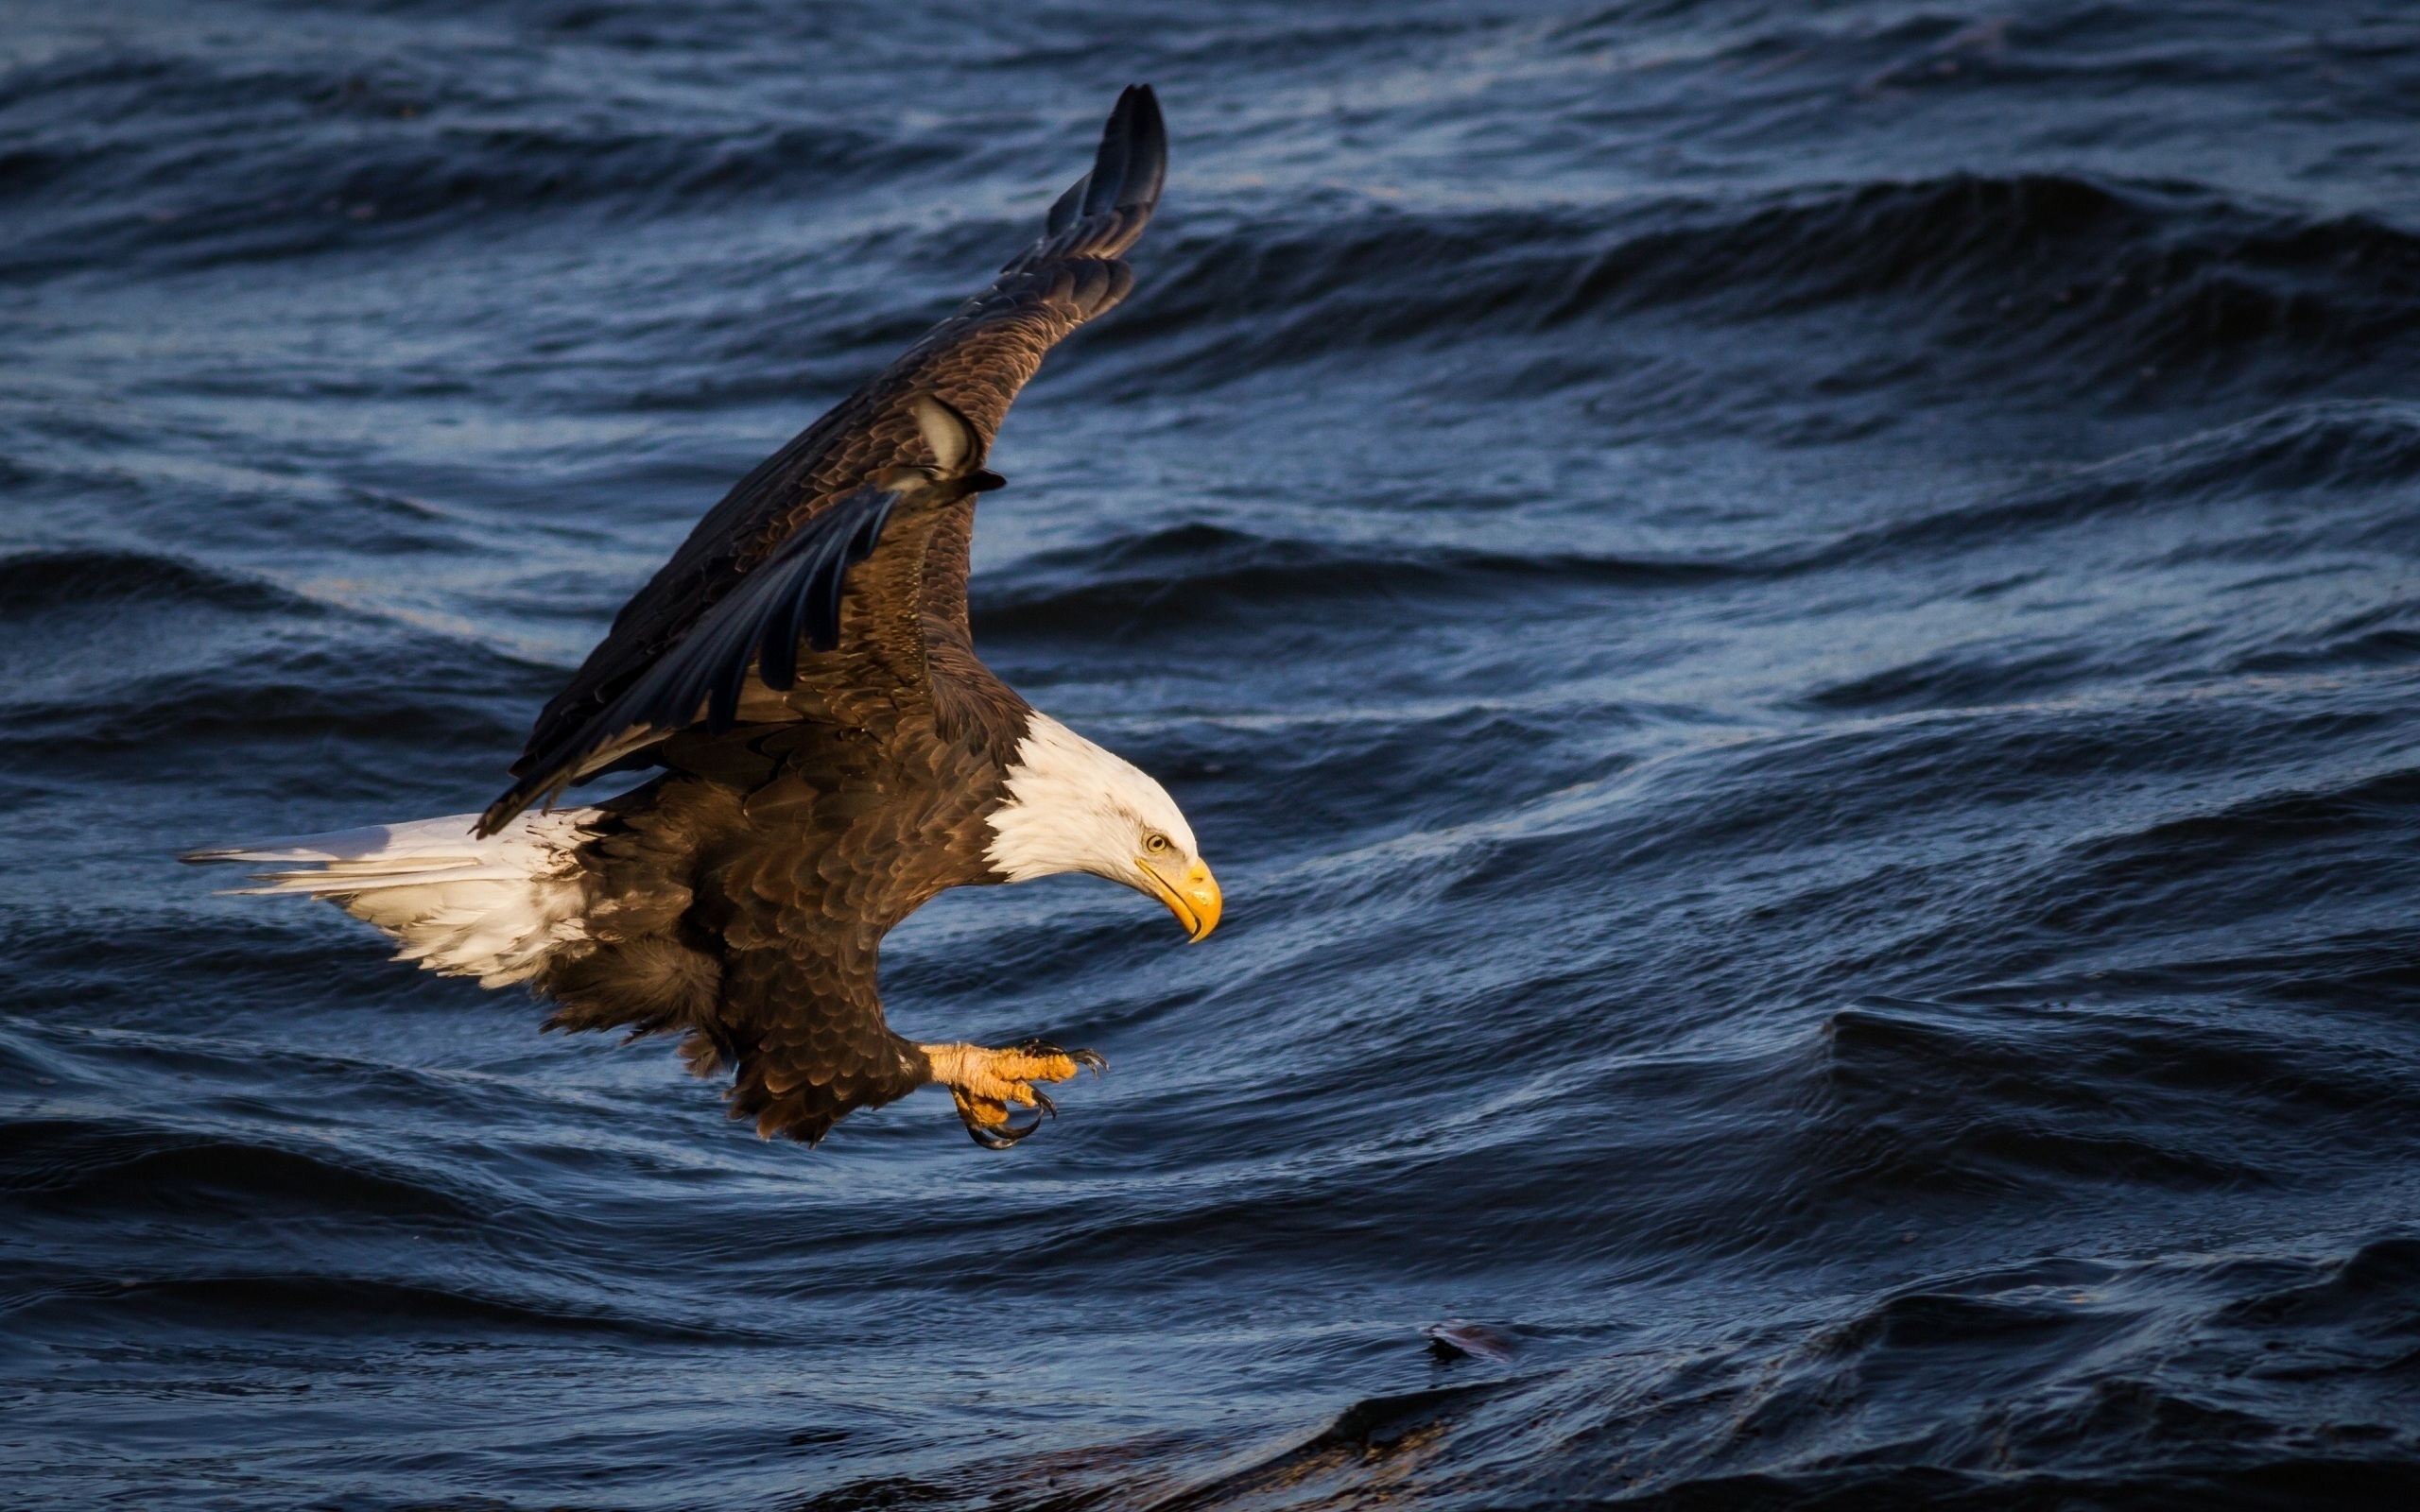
(987, 1083)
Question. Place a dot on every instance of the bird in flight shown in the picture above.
(832, 755)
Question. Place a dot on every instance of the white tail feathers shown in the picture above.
(490, 908)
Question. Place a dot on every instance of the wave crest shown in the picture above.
(2026, 275)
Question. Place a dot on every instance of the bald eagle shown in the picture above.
(832, 755)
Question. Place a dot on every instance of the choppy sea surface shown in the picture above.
(1795, 628)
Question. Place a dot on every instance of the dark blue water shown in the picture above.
(1795, 629)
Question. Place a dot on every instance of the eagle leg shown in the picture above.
(987, 1084)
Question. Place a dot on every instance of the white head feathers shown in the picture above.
(1075, 807)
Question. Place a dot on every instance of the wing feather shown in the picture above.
(792, 597)
(974, 362)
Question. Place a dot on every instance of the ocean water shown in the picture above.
(1794, 627)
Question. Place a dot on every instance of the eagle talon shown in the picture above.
(1001, 1138)
(987, 1121)
(989, 1085)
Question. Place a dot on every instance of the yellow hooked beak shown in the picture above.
(1193, 897)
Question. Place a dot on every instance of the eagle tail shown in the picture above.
(495, 908)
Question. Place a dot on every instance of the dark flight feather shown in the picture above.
(793, 595)
(806, 599)
(974, 363)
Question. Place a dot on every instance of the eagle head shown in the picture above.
(1071, 806)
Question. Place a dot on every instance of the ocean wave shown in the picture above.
(41, 583)
(2387, 636)
(246, 661)
(2345, 444)
(74, 1165)
(1332, 1461)
(2070, 1389)
(2339, 846)
(2027, 275)
(2377, 802)
(1198, 572)
(2284, 1481)
(171, 160)
(1949, 679)
(1943, 1105)
(318, 1304)
(2367, 1302)
(2066, 1397)
(422, 693)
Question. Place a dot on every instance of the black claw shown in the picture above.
(1088, 1059)
(1042, 1100)
(986, 1138)
(1001, 1136)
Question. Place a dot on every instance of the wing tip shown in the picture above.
(1133, 144)
(1103, 213)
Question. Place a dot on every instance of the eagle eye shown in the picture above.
(1156, 843)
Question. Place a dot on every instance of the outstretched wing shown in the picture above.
(974, 363)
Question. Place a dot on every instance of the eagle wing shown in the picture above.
(825, 512)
